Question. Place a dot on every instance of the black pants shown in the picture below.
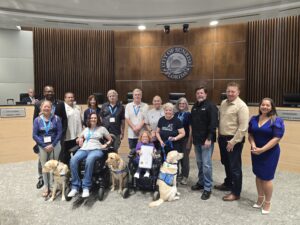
(232, 162)
(65, 156)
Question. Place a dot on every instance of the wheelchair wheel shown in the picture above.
(125, 193)
(101, 194)
(67, 190)
(155, 195)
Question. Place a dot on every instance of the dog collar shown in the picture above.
(170, 164)
(119, 171)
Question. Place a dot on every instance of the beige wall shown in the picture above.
(16, 142)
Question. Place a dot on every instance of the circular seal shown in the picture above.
(176, 63)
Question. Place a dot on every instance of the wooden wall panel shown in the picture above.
(273, 58)
(230, 60)
(81, 61)
(214, 60)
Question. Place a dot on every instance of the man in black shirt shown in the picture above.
(113, 117)
(204, 121)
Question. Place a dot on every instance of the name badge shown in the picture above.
(47, 139)
(112, 120)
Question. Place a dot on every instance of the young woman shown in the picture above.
(265, 132)
(47, 132)
(92, 107)
(90, 149)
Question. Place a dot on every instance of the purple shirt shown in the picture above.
(39, 131)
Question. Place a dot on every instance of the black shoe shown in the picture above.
(222, 187)
(40, 183)
(197, 187)
(205, 195)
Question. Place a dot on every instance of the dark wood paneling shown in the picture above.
(231, 33)
(80, 61)
(222, 60)
(273, 58)
(230, 60)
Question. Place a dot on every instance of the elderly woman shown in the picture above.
(265, 131)
(47, 132)
(182, 108)
(152, 117)
(170, 130)
(92, 107)
(90, 149)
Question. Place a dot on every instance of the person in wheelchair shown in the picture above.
(144, 141)
(90, 149)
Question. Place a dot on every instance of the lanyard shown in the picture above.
(53, 109)
(46, 126)
(136, 112)
(181, 116)
(90, 134)
(113, 111)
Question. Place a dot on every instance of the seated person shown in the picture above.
(90, 149)
(144, 140)
(31, 97)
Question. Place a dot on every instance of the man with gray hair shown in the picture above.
(113, 117)
(135, 114)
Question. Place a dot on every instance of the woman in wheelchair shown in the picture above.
(90, 149)
(144, 140)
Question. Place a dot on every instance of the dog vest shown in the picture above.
(167, 178)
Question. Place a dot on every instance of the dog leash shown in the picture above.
(167, 143)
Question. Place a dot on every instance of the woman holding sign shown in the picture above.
(47, 131)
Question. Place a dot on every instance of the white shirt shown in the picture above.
(74, 122)
(152, 117)
(136, 114)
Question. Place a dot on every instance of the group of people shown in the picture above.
(58, 127)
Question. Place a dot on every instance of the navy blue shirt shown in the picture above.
(185, 118)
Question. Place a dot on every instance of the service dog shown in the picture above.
(60, 173)
(118, 171)
(167, 179)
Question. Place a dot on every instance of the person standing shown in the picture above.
(234, 117)
(135, 113)
(92, 107)
(152, 117)
(47, 132)
(204, 121)
(113, 117)
(265, 131)
(183, 114)
(70, 115)
(49, 95)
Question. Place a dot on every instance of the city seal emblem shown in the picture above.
(176, 63)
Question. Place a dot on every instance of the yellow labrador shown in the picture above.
(118, 171)
(167, 179)
(60, 173)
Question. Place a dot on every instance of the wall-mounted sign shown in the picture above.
(176, 63)
(12, 112)
(289, 114)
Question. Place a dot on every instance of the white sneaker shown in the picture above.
(72, 193)
(147, 174)
(85, 193)
(137, 175)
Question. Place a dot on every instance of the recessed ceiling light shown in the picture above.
(19, 27)
(213, 23)
(142, 27)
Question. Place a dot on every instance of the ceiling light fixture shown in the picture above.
(142, 27)
(185, 28)
(214, 23)
(167, 29)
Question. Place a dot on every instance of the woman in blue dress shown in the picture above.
(265, 132)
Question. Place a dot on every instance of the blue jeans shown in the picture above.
(90, 156)
(203, 157)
